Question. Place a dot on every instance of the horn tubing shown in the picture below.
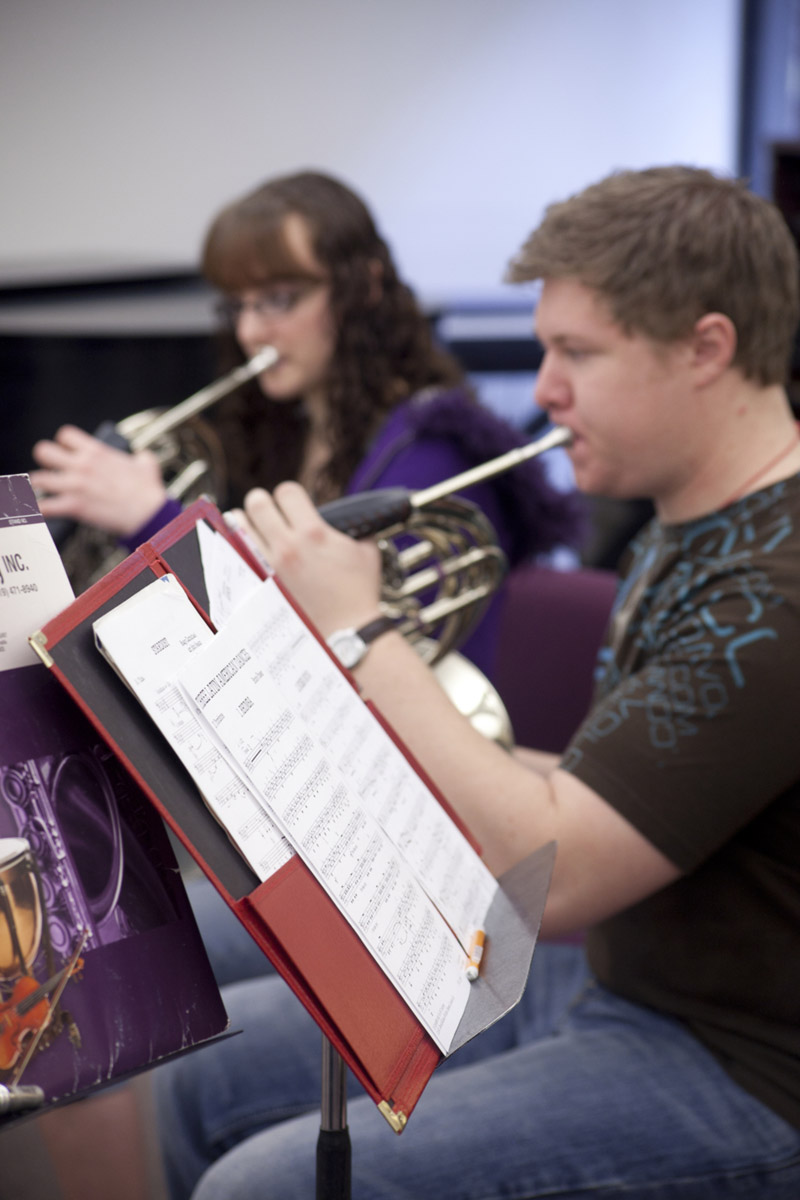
(559, 436)
(266, 357)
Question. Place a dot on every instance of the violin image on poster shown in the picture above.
(28, 1012)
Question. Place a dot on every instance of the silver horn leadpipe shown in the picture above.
(266, 357)
(558, 436)
(366, 513)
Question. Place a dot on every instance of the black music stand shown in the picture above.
(333, 1143)
(512, 927)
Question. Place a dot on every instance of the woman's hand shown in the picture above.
(84, 479)
(334, 578)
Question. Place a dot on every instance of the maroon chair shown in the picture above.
(551, 627)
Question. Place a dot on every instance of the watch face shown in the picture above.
(348, 647)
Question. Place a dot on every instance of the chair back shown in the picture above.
(551, 628)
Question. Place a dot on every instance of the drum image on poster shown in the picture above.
(20, 908)
(77, 815)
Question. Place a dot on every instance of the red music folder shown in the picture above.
(290, 916)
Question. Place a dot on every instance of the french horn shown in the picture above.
(190, 456)
(444, 567)
(440, 568)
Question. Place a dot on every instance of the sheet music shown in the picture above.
(444, 862)
(323, 816)
(453, 875)
(228, 578)
(147, 639)
(285, 751)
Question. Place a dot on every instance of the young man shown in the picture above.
(664, 1060)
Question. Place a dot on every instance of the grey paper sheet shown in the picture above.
(512, 928)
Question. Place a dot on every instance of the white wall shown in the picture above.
(124, 124)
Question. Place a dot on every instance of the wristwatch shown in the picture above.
(350, 645)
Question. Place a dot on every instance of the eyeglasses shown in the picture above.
(274, 301)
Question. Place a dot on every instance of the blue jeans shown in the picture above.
(575, 1093)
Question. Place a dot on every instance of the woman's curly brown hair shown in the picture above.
(384, 346)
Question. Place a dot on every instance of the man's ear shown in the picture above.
(713, 346)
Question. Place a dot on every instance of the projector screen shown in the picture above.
(126, 126)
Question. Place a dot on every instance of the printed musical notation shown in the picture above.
(261, 705)
(258, 722)
(147, 639)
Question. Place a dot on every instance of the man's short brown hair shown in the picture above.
(666, 245)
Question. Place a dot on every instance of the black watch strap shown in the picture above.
(350, 645)
(374, 629)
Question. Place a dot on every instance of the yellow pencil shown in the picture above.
(475, 954)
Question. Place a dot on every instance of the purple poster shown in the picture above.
(102, 969)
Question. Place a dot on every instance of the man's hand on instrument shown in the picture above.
(84, 479)
(334, 578)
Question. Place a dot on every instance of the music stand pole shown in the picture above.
(333, 1143)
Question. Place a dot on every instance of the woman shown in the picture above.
(360, 396)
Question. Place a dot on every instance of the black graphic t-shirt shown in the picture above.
(694, 738)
